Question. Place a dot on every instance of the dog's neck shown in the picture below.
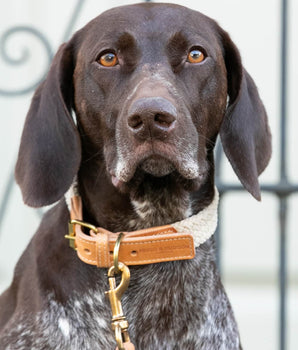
(156, 203)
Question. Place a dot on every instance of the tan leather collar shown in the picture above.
(152, 245)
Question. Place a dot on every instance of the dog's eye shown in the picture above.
(108, 59)
(195, 56)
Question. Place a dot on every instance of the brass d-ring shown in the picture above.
(116, 252)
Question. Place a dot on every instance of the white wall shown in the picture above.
(250, 242)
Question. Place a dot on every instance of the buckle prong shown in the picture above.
(72, 233)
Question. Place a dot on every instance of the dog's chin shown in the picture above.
(155, 172)
(157, 166)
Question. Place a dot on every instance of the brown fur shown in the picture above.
(143, 153)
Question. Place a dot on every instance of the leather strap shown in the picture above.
(153, 245)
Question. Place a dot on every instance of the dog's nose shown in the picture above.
(152, 117)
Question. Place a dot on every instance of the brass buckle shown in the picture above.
(72, 234)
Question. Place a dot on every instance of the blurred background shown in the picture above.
(258, 242)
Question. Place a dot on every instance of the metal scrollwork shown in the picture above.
(24, 57)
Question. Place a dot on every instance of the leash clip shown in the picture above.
(119, 322)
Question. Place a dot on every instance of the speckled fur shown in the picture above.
(176, 305)
(161, 317)
(131, 178)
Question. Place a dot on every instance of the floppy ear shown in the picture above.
(244, 132)
(50, 150)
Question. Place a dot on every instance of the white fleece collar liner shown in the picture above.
(201, 226)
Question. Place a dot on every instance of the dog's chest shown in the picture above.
(156, 304)
(167, 305)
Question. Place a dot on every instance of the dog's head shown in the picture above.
(149, 86)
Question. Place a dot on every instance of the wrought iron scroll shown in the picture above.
(21, 60)
(24, 57)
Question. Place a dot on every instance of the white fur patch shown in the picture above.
(64, 326)
(143, 209)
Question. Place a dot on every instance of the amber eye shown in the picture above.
(108, 59)
(195, 56)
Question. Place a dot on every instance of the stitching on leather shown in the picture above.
(86, 259)
(190, 244)
(97, 252)
(164, 232)
(139, 262)
(189, 240)
(105, 246)
(153, 233)
(100, 248)
(85, 240)
(161, 240)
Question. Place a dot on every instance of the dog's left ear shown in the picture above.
(244, 132)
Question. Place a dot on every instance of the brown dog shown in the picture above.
(149, 85)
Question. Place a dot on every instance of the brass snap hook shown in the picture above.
(119, 322)
(125, 277)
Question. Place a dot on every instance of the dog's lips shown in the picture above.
(154, 165)
(157, 165)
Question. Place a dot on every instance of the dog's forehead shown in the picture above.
(154, 20)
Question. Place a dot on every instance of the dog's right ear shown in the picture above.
(50, 150)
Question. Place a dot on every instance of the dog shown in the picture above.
(131, 108)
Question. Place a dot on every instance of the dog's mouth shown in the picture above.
(134, 170)
(155, 166)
